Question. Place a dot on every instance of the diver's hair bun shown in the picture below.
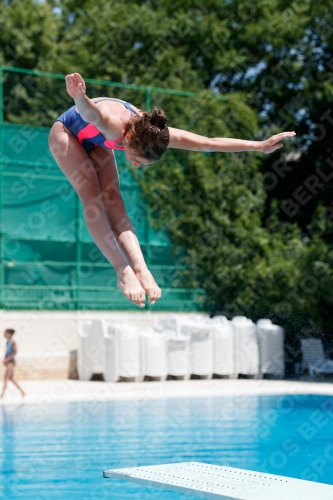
(158, 119)
(150, 134)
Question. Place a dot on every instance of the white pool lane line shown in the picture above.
(61, 391)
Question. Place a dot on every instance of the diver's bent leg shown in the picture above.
(106, 169)
(74, 161)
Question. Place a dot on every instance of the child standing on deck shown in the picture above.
(9, 361)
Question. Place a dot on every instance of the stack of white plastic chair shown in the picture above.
(110, 351)
(247, 348)
(153, 353)
(271, 340)
(178, 353)
(90, 351)
(201, 347)
(223, 346)
(177, 344)
(127, 351)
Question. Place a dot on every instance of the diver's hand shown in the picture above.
(273, 143)
(75, 86)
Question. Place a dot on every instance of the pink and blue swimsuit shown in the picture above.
(88, 135)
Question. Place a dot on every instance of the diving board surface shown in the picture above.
(222, 483)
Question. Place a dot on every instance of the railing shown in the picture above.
(147, 89)
(23, 165)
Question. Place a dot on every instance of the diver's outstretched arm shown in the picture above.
(181, 139)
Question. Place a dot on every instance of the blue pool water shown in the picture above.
(59, 451)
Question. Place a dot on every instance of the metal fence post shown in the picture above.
(148, 256)
(78, 251)
(148, 103)
(28, 294)
(1, 188)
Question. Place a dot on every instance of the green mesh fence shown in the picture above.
(48, 258)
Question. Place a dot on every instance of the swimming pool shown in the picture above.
(59, 451)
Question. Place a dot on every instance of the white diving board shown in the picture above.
(222, 483)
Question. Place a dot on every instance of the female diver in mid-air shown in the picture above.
(82, 141)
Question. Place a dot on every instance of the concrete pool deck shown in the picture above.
(62, 391)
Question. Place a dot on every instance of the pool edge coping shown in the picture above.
(71, 391)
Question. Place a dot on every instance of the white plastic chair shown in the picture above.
(201, 348)
(153, 354)
(223, 347)
(271, 346)
(110, 354)
(247, 349)
(127, 348)
(178, 352)
(167, 322)
(314, 357)
(194, 317)
(219, 319)
(90, 350)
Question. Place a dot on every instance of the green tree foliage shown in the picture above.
(29, 31)
(257, 229)
(213, 205)
(278, 53)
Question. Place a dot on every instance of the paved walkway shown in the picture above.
(61, 391)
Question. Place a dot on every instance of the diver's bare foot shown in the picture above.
(130, 286)
(149, 284)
